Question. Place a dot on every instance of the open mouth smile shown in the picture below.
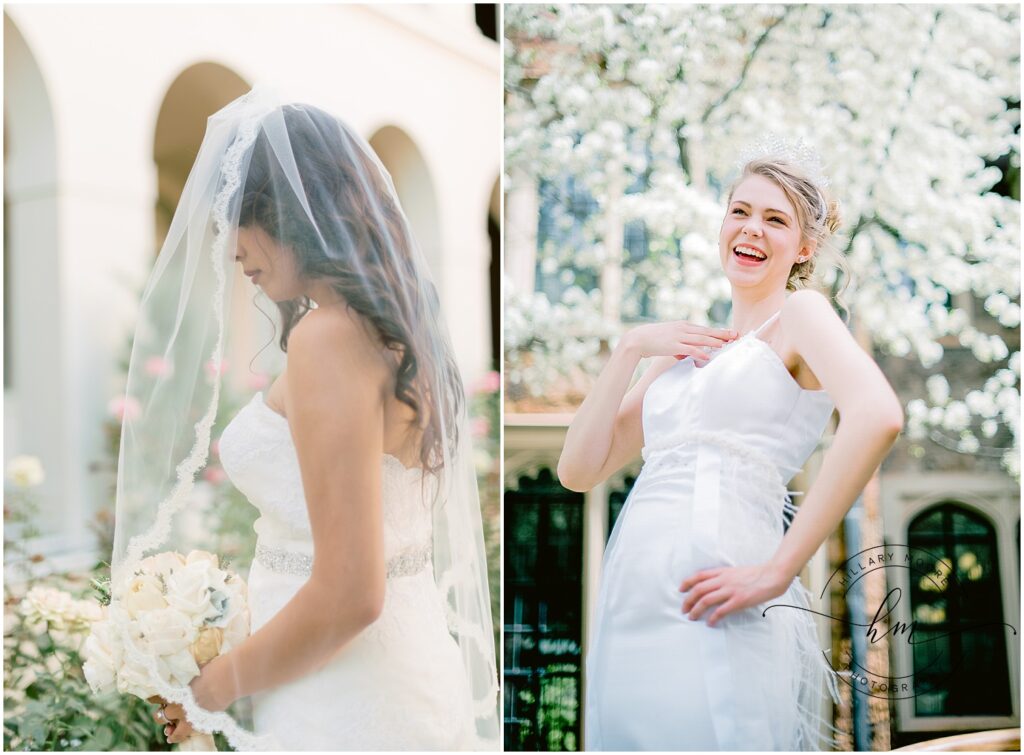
(749, 255)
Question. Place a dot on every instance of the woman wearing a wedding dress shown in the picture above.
(681, 655)
(370, 618)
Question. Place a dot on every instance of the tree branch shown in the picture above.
(746, 67)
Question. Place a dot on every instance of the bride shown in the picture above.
(370, 617)
(682, 654)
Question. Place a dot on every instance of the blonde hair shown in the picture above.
(817, 215)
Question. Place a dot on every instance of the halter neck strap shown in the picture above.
(760, 327)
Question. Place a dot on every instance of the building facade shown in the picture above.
(105, 108)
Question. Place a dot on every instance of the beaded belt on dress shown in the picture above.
(405, 564)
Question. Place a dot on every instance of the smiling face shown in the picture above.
(268, 264)
(761, 238)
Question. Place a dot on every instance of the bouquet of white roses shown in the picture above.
(167, 618)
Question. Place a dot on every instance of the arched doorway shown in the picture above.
(197, 93)
(415, 188)
(33, 311)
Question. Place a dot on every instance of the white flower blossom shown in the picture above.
(938, 389)
(44, 606)
(166, 631)
(25, 471)
(103, 657)
(647, 108)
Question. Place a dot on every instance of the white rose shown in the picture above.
(189, 591)
(237, 629)
(236, 619)
(47, 605)
(87, 612)
(166, 631)
(162, 563)
(195, 557)
(25, 471)
(144, 593)
(134, 679)
(178, 669)
(103, 657)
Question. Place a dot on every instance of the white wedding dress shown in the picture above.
(721, 442)
(400, 684)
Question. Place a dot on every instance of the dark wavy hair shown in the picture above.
(357, 241)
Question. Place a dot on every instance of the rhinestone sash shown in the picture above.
(411, 561)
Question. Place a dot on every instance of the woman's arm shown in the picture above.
(870, 420)
(334, 400)
(607, 431)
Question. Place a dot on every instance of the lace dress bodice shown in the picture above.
(398, 685)
(258, 454)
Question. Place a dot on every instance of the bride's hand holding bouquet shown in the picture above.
(167, 618)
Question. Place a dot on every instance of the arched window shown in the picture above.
(416, 192)
(543, 615)
(959, 645)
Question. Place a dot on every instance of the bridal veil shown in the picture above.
(317, 188)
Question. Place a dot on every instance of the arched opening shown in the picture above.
(33, 389)
(415, 188)
(196, 94)
(959, 648)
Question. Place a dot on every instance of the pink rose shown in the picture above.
(124, 407)
(480, 427)
(489, 383)
(157, 366)
(215, 475)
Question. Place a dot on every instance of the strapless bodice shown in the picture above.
(259, 456)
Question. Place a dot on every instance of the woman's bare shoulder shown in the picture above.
(336, 342)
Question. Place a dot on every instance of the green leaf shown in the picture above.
(102, 739)
(37, 708)
(33, 730)
(81, 726)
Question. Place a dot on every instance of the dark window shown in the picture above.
(959, 642)
(616, 500)
(543, 615)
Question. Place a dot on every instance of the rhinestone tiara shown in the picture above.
(793, 151)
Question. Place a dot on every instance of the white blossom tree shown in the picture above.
(626, 122)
